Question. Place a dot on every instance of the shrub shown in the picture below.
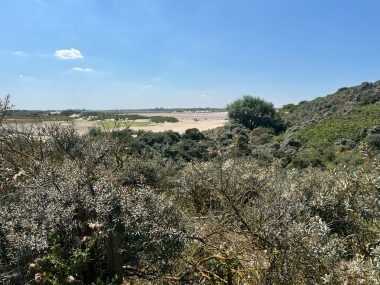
(373, 141)
(162, 119)
(161, 208)
(74, 217)
(193, 134)
(253, 112)
(188, 150)
(269, 226)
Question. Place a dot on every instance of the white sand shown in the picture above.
(183, 125)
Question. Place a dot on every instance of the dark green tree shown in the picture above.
(253, 112)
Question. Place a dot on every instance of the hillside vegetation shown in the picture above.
(353, 126)
(343, 101)
(287, 196)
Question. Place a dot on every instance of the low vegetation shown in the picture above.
(352, 126)
(267, 200)
(27, 116)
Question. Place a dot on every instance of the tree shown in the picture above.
(5, 107)
(253, 112)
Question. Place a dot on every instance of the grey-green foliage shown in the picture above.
(106, 206)
(66, 212)
(272, 226)
(374, 141)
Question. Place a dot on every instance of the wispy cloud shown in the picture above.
(20, 53)
(26, 77)
(68, 54)
(156, 79)
(147, 86)
(204, 96)
(80, 69)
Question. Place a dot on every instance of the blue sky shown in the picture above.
(116, 54)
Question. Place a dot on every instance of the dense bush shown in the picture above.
(253, 112)
(188, 150)
(69, 215)
(374, 141)
(163, 119)
(265, 226)
(193, 134)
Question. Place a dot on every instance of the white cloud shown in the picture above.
(68, 54)
(20, 53)
(25, 77)
(204, 96)
(80, 69)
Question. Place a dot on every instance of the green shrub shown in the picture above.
(162, 119)
(193, 134)
(253, 112)
(189, 150)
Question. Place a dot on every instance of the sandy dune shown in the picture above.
(187, 120)
(183, 125)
